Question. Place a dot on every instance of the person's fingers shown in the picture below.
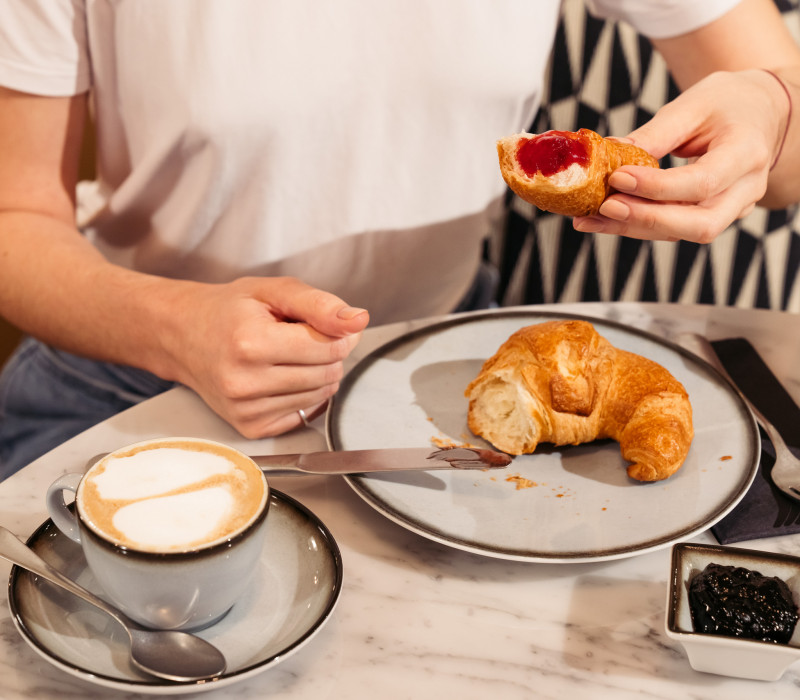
(292, 300)
(247, 382)
(258, 350)
(289, 344)
(668, 130)
(705, 178)
(267, 417)
(665, 221)
(746, 211)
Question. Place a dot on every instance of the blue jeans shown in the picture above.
(47, 396)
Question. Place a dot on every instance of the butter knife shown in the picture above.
(341, 462)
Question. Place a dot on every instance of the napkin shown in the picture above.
(765, 511)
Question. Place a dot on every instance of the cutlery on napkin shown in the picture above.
(764, 511)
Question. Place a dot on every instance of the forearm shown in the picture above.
(783, 187)
(255, 349)
(57, 287)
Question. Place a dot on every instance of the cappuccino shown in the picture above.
(171, 495)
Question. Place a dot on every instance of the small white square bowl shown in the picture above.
(729, 656)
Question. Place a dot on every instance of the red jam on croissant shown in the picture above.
(551, 152)
(565, 172)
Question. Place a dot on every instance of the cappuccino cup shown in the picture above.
(172, 529)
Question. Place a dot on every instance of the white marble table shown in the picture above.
(417, 619)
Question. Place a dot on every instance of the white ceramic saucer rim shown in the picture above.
(166, 688)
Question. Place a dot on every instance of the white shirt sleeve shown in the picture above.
(43, 47)
(659, 19)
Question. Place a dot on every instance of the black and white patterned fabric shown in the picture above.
(605, 77)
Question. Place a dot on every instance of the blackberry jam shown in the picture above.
(738, 602)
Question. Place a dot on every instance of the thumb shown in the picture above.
(292, 300)
(665, 133)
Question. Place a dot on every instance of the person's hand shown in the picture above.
(729, 126)
(259, 349)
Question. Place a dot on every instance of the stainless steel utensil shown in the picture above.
(786, 470)
(384, 460)
(168, 654)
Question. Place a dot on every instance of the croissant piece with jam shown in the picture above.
(565, 172)
(561, 382)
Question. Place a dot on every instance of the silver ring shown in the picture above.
(303, 418)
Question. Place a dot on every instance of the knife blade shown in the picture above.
(342, 462)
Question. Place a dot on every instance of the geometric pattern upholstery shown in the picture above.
(605, 77)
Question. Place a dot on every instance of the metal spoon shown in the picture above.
(168, 654)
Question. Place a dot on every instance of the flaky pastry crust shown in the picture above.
(586, 190)
(561, 382)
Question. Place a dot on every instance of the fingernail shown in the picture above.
(613, 209)
(587, 224)
(347, 313)
(624, 182)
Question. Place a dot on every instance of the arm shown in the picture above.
(729, 123)
(259, 367)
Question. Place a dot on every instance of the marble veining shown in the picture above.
(417, 619)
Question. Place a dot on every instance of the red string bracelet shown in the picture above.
(788, 116)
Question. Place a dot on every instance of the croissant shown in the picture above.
(565, 172)
(561, 382)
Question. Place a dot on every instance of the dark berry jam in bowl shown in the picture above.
(734, 610)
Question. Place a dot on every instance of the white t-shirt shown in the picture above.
(347, 143)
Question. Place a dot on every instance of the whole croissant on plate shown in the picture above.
(561, 382)
(565, 172)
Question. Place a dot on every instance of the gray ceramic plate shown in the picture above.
(298, 588)
(580, 504)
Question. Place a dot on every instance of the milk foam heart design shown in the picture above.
(172, 498)
(157, 472)
(176, 522)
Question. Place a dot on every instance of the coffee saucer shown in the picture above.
(297, 590)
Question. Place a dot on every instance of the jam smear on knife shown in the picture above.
(551, 152)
